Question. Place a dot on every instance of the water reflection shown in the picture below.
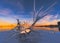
(36, 36)
(39, 35)
(29, 38)
(47, 28)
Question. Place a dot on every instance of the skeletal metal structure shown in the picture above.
(21, 30)
(36, 17)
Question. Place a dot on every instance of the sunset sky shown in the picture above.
(10, 10)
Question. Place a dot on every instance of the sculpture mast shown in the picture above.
(18, 24)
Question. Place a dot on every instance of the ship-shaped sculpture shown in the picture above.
(36, 16)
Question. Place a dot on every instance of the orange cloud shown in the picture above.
(47, 20)
(5, 25)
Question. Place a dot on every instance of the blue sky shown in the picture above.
(23, 9)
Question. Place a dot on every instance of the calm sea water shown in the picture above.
(39, 35)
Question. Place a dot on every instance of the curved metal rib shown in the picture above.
(44, 14)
